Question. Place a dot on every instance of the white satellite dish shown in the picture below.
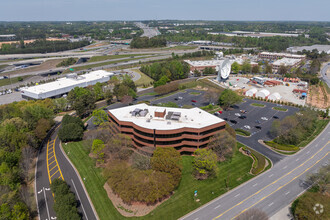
(224, 70)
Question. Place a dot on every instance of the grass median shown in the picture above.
(242, 132)
(280, 109)
(258, 105)
(231, 173)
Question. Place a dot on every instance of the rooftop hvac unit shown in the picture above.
(148, 120)
(168, 122)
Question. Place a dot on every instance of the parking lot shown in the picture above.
(254, 115)
(188, 97)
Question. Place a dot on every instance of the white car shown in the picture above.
(264, 118)
(247, 127)
(237, 114)
(180, 97)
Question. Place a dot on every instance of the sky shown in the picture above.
(93, 10)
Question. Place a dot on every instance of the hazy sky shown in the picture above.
(63, 10)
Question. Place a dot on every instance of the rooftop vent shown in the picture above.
(168, 122)
(148, 120)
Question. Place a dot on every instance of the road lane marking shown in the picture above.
(53, 174)
(285, 167)
(57, 162)
(51, 162)
(281, 186)
(255, 184)
(287, 192)
(217, 207)
(271, 183)
(46, 202)
(271, 204)
(307, 152)
(53, 168)
(297, 159)
(82, 206)
(271, 175)
(237, 195)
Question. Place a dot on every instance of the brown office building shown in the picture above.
(150, 126)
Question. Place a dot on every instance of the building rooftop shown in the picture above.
(204, 62)
(71, 80)
(284, 55)
(286, 62)
(143, 115)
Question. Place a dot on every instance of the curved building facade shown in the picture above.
(149, 126)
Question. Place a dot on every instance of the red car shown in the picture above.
(220, 112)
(193, 100)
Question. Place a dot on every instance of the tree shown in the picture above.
(252, 214)
(228, 98)
(235, 67)
(256, 69)
(43, 126)
(268, 69)
(205, 164)
(246, 66)
(65, 204)
(98, 145)
(162, 81)
(167, 160)
(82, 100)
(70, 132)
(282, 70)
(99, 116)
(320, 179)
(223, 144)
(197, 73)
(211, 96)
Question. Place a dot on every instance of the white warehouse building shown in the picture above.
(64, 85)
(251, 92)
(264, 93)
(274, 96)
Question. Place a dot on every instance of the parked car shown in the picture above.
(237, 114)
(180, 97)
(258, 127)
(247, 127)
(264, 118)
(176, 99)
(233, 121)
(276, 117)
(258, 122)
(193, 100)
(242, 117)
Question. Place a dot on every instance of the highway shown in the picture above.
(53, 164)
(147, 31)
(324, 74)
(272, 190)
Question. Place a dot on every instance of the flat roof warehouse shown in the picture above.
(64, 85)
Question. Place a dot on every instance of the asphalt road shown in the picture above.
(272, 190)
(253, 114)
(324, 75)
(52, 164)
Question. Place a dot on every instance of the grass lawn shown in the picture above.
(280, 109)
(242, 132)
(258, 105)
(109, 57)
(282, 147)
(144, 81)
(149, 93)
(181, 47)
(304, 205)
(102, 64)
(4, 82)
(230, 174)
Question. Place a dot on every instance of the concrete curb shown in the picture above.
(82, 183)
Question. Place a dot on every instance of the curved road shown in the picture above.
(324, 75)
(52, 164)
(272, 190)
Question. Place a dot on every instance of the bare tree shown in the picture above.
(222, 144)
(28, 153)
(252, 214)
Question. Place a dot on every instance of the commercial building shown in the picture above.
(200, 65)
(288, 62)
(275, 56)
(64, 85)
(151, 126)
(318, 47)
